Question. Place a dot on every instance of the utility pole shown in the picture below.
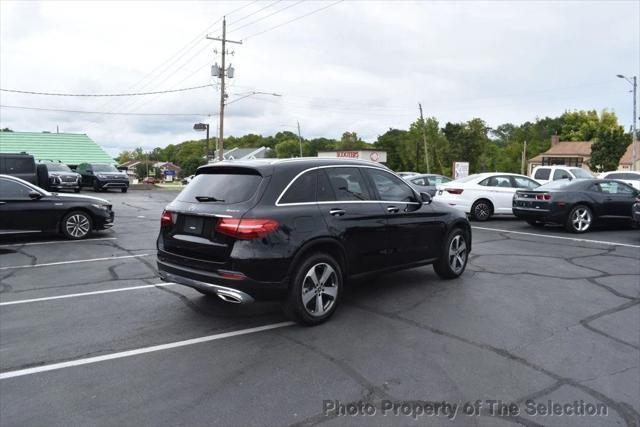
(634, 150)
(424, 139)
(524, 158)
(299, 137)
(221, 74)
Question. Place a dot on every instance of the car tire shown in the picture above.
(579, 220)
(76, 225)
(96, 186)
(535, 223)
(308, 290)
(76, 190)
(455, 255)
(123, 190)
(481, 210)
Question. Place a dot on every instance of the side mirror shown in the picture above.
(425, 198)
(34, 195)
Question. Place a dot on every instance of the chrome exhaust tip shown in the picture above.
(229, 297)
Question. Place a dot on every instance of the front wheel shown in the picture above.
(124, 190)
(579, 220)
(453, 260)
(96, 186)
(315, 290)
(76, 190)
(76, 225)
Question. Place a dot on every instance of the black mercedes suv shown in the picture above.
(297, 229)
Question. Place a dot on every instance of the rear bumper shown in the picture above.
(531, 214)
(232, 290)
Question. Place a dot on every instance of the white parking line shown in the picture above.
(107, 291)
(57, 241)
(558, 237)
(143, 350)
(72, 262)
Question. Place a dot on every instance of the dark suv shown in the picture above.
(61, 177)
(298, 229)
(102, 176)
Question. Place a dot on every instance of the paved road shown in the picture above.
(86, 340)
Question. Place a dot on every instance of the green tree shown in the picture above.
(585, 125)
(190, 164)
(288, 148)
(608, 147)
(467, 142)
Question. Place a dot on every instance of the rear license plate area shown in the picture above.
(193, 225)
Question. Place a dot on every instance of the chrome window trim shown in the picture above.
(278, 204)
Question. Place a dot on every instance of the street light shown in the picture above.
(201, 127)
(634, 151)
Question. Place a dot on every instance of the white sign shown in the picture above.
(460, 169)
(371, 155)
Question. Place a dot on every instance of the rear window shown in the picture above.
(580, 173)
(560, 183)
(542, 173)
(302, 190)
(223, 187)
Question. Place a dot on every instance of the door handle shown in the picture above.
(3, 203)
(337, 212)
(393, 209)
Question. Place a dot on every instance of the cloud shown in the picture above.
(357, 66)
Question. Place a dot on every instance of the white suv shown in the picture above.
(544, 174)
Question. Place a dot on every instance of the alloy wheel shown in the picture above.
(457, 254)
(581, 219)
(482, 211)
(77, 225)
(319, 289)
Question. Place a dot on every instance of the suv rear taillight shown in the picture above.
(166, 219)
(545, 196)
(454, 190)
(246, 228)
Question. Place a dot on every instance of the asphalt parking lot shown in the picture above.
(90, 336)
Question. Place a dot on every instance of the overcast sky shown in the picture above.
(356, 66)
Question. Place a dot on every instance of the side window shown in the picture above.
(496, 181)
(324, 192)
(522, 182)
(420, 181)
(348, 184)
(391, 188)
(542, 173)
(302, 190)
(612, 187)
(437, 180)
(13, 190)
(561, 174)
(616, 176)
(19, 165)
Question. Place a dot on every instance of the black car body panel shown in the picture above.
(22, 212)
(102, 176)
(636, 212)
(551, 203)
(365, 236)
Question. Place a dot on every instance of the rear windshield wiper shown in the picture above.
(208, 199)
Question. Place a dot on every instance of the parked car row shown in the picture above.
(576, 201)
(55, 175)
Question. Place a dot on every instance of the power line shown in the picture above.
(109, 113)
(173, 59)
(255, 12)
(269, 15)
(292, 20)
(28, 92)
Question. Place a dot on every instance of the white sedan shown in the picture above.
(485, 194)
(629, 177)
